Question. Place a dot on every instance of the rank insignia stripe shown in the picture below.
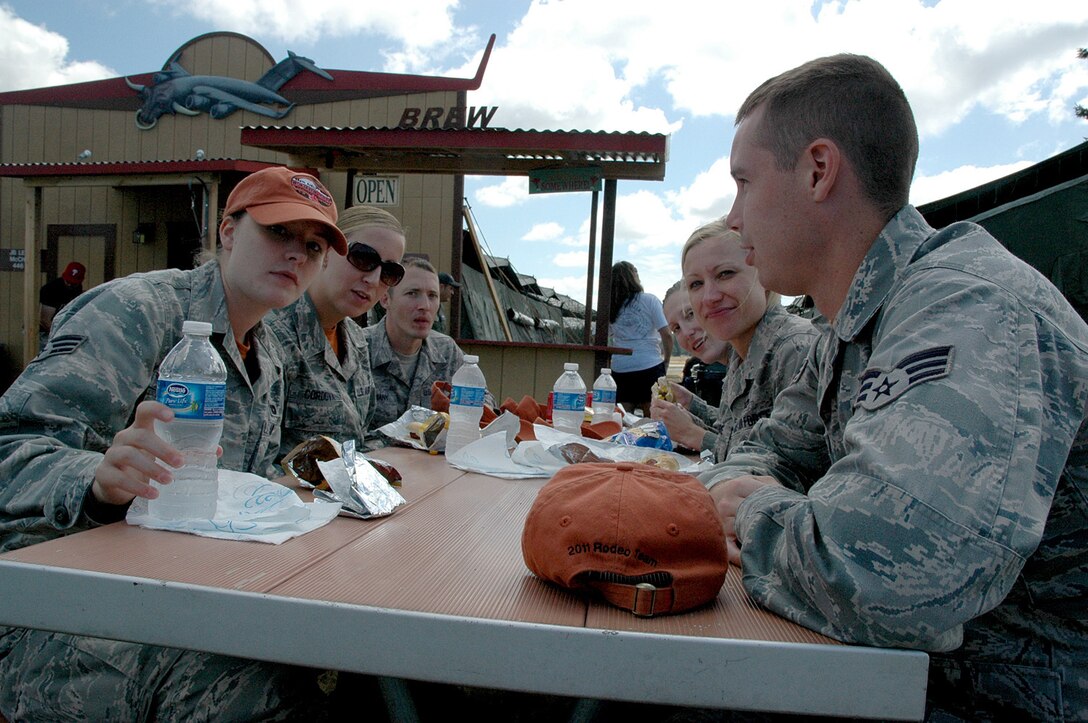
(62, 344)
(878, 386)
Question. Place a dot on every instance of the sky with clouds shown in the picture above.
(993, 84)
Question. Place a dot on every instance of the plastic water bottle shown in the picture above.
(569, 401)
(604, 396)
(466, 405)
(192, 382)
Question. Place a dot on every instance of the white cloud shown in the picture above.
(947, 183)
(415, 23)
(709, 196)
(547, 231)
(510, 192)
(571, 259)
(578, 64)
(32, 56)
(573, 286)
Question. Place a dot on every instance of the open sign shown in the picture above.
(377, 190)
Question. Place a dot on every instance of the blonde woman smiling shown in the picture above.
(769, 345)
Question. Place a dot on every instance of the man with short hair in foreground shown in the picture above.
(924, 484)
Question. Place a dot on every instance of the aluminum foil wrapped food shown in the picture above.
(356, 483)
(301, 463)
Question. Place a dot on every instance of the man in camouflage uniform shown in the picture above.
(924, 484)
(406, 355)
(77, 445)
(327, 366)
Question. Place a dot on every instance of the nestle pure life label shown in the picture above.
(604, 396)
(193, 400)
(569, 401)
(468, 396)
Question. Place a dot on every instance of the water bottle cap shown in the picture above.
(199, 328)
(471, 358)
(606, 370)
(570, 367)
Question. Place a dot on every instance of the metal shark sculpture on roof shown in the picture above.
(175, 91)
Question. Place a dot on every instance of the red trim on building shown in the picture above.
(304, 88)
(134, 168)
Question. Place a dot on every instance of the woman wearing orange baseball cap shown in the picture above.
(80, 445)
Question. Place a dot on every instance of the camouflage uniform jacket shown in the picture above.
(937, 447)
(324, 394)
(776, 354)
(439, 358)
(62, 413)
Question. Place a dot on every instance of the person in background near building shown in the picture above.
(685, 429)
(769, 345)
(637, 322)
(446, 285)
(329, 389)
(406, 355)
(77, 445)
(924, 483)
(55, 294)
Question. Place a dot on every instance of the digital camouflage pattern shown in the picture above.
(324, 394)
(943, 505)
(54, 677)
(394, 392)
(56, 421)
(778, 350)
(62, 413)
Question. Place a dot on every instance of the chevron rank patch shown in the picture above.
(881, 386)
(62, 344)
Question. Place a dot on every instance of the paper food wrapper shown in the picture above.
(249, 507)
(397, 430)
(301, 462)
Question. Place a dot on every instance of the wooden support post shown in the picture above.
(31, 272)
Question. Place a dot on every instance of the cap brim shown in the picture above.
(267, 214)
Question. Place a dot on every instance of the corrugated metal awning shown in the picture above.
(472, 151)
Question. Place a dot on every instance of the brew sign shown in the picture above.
(377, 190)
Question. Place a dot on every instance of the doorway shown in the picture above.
(93, 245)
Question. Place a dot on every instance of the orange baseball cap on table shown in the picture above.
(648, 540)
(278, 195)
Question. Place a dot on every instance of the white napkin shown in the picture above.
(489, 455)
(249, 508)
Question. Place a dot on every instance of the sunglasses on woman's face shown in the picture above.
(366, 259)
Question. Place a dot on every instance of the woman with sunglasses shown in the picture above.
(329, 386)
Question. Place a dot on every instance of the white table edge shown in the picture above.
(580, 662)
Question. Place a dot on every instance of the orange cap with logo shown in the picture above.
(648, 540)
(279, 195)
